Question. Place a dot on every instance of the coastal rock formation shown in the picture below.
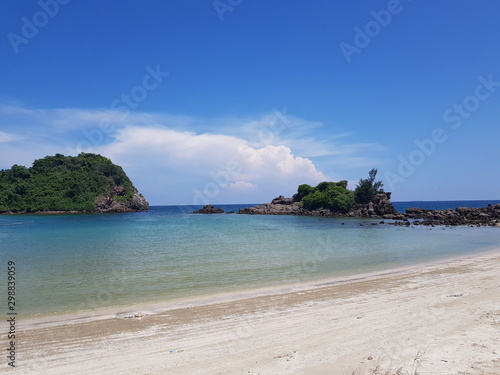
(379, 207)
(109, 204)
(484, 216)
(278, 206)
(209, 209)
(138, 203)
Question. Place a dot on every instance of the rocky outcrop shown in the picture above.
(111, 204)
(379, 207)
(483, 216)
(278, 206)
(209, 209)
(138, 203)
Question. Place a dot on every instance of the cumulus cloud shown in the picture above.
(301, 135)
(176, 159)
(209, 167)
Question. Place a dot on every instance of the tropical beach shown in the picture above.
(227, 187)
(169, 291)
(440, 318)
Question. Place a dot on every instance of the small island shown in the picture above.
(333, 199)
(367, 200)
(209, 209)
(87, 183)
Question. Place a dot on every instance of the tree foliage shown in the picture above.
(62, 183)
(367, 188)
(330, 195)
(302, 191)
(335, 196)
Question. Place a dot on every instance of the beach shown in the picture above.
(439, 318)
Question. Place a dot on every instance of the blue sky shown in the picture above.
(237, 101)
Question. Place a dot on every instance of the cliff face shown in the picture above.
(87, 183)
(138, 203)
(109, 204)
(379, 207)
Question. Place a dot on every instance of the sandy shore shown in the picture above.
(434, 319)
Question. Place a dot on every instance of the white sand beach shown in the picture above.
(442, 318)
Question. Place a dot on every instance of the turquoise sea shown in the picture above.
(68, 263)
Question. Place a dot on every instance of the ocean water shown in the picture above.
(68, 263)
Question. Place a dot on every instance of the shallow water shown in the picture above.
(67, 263)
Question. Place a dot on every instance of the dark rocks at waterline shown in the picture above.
(209, 209)
(278, 206)
(471, 216)
(381, 207)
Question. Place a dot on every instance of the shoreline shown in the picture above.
(441, 317)
(159, 307)
(203, 300)
(438, 317)
(61, 213)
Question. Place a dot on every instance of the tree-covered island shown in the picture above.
(328, 198)
(88, 183)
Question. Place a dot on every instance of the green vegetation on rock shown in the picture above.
(330, 195)
(367, 188)
(64, 183)
(335, 196)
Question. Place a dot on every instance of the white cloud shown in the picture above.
(173, 159)
(63, 120)
(241, 186)
(306, 138)
(216, 165)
